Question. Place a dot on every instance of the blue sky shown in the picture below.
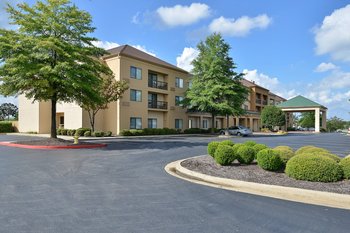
(291, 47)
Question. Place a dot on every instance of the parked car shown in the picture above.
(237, 130)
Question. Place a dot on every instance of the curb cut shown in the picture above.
(334, 200)
(89, 146)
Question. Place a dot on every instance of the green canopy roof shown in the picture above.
(299, 102)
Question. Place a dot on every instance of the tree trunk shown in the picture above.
(92, 120)
(227, 125)
(212, 123)
(53, 118)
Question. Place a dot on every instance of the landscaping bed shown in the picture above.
(253, 173)
(51, 142)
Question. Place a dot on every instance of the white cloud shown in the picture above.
(109, 45)
(239, 27)
(184, 60)
(179, 15)
(333, 36)
(323, 67)
(11, 99)
(135, 19)
(271, 83)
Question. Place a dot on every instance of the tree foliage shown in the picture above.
(7, 110)
(216, 87)
(110, 91)
(335, 123)
(51, 56)
(307, 120)
(272, 116)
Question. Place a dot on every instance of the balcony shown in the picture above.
(158, 84)
(258, 101)
(158, 104)
(264, 102)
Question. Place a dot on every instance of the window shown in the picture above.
(245, 107)
(179, 82)
(189, 84)
(135, 95)
(205, 124)
(135, 72)
(152, 123)
(178, 100)
(135, 123)
(178, 123)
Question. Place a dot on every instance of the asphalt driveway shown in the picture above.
(124, 188)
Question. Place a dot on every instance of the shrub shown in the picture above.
(212, 146)
(224, 155)
(323, 130)
(71, 132)
(108, 133)
(81, 131)
(6, 127)
(64, 131)
(345, 165)
(259, 147)
(269, 159)
(87, 134)
(313, 167)
(283, 148)
(59, 131)
(249, 143)
(284, 154)
(98, 134)
(245, 154)
(149, 131)
(236, 146)
(227, 143)
(306, 149)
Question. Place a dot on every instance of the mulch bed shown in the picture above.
(253, 173)
(51, 142)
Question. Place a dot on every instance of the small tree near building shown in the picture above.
(272, 116)
(335, 123)
(51, 56)
(8, 110)
(307, 120)
(216, 87)
(110, 90)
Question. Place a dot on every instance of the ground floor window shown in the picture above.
(178, 123)
(152, 123)
(205, 124)
(135, 123)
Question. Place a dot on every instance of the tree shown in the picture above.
(216, 88)
(7, 110)
(307, 120)
(335, 123)
(272, 116)
(51, 56)
(110, 91)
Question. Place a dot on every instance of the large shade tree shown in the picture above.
(7, 110)
(272, 116)
(50, 56)
(216, 87)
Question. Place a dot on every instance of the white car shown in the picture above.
(237, 130)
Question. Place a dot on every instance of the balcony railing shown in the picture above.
(264, 102)
(158, 104)
(258, 101)
(158, 84)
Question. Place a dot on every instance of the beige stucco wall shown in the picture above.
(28, 115)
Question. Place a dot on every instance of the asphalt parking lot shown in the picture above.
(124, 188)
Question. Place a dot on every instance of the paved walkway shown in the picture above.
(124, 188)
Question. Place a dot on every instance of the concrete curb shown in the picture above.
(334, 200)
(86, 146)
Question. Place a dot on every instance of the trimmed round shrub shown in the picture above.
(87, 134)
(108, 133)
(64, 131)
(307, 149)
(59, 131)
(284, 154)
(269, 159)
(81, 131)
(236, 146)
(313, 167)
(212, 146)
(98, 134)
(249, 143)
(345, 165)
(227, 143)
(245, 154)
(284, 148)
(259, 147)
(224, 155)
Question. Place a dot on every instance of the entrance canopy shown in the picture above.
(302, 104)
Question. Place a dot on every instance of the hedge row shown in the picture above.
(83, 132)
(147, 131)
(6, 127)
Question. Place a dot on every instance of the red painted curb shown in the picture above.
(52, 147)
